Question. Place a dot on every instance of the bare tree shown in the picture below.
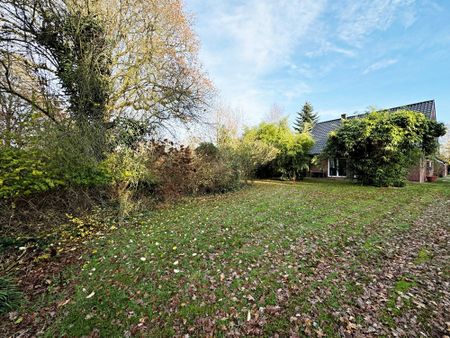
(156, 73)
(275, 114)
(14, 113)
(444, 142)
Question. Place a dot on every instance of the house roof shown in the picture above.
(428, 108)
(321, 130)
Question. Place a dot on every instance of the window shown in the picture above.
(337, 167)
(332, 167)
(342, 167)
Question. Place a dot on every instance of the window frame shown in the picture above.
(337, 168)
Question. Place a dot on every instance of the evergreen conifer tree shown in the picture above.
(305, 118)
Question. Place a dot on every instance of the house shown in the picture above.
(440, 168)
(337, 167)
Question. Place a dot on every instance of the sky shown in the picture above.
(343, 56)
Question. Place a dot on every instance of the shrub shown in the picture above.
(215, 174)
(289, 155)
(54, 156)
(174, 169)
(75, 154)
(252, 154)
(23, 173)
(207, 150)
(129, 172)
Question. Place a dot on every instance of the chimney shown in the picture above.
(343, 116)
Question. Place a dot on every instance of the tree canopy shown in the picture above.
(292, 148)
(97, 60)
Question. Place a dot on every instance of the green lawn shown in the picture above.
(273, 258)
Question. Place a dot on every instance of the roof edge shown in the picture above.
(384, 109)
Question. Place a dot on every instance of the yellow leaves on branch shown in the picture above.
(154, 57)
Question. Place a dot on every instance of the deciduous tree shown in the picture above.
(292, 148)
(156, 74)
(59, 49)
(275, 114)
(102, 59)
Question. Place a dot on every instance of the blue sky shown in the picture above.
(341, 55)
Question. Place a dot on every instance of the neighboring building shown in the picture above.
(441, 168)
(337, 167)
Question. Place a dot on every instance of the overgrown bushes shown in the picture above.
(23, 173)
(283, 153)
(182, 171)
(215, 170)
(159, 170)
(381, 147)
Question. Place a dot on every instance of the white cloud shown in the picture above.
(253, 97)
(263, 51)
(245, 43)
(380, 65)
(327, 47)
(264, 33)
(358, 19)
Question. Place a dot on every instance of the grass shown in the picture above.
(423, 256)
(267, 259)
(10, 296)
(396, 302)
